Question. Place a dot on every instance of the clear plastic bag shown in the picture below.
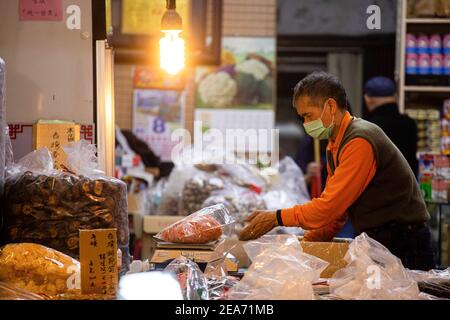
(433, 282)
(171, 198)
(192, 280)
(8, 292)
(197, 189)
(38, 269)
(279, 271)
(155, 194)
(239, 200)
(372, 272)
(216, 273)
(219, 288)
(49, 207)
(288, 189)
(204, 226)
(244, 175)
(3, 127)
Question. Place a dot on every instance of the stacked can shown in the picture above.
(427, 55)
(445, 128)
(428, 129)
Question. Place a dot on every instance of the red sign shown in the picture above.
(40, 10)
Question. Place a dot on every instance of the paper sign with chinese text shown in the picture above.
(98, 259)
(144, 16)
(40, 10)
(54, 136)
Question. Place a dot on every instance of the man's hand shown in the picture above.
(260, 222)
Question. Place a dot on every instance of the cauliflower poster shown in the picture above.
(245, 79)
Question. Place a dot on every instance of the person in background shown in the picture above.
(381, 101)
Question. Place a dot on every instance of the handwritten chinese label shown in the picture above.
(40, 10)
(98, 258)
(55, 136)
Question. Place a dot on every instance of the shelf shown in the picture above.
(426, 89)
(428, 21)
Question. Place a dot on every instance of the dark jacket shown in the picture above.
(401, 129)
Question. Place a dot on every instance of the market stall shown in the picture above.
(92, 212)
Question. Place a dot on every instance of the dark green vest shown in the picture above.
(393, 195)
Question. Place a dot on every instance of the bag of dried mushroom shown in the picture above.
(49, 207)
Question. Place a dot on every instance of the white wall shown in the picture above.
(49, 68)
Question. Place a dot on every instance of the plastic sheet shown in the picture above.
(433, 282)
(279, 271)
(192, 280)
(38, 269)
(49, 207)
(204, 226)
(372, 273)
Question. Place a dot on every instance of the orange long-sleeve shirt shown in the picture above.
(325, 215)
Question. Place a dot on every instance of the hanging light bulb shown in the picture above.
(172, 47)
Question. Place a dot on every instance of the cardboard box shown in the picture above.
(54, 135)
(332, 252)
(154, 224)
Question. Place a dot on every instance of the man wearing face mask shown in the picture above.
(369, 181)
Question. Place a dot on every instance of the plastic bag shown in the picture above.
(192, 280)
(279, 271)
(240, 201)
(197, 189)
(38, 269)
(170, 201)
(204, 226)
(49, 207)
(244, 175)
(8, 292)
(433, 282)
(155, 194)
(372, 272)
(219, 288)
(3, 127)
(288, 189)
(203, 175)
(216, 273)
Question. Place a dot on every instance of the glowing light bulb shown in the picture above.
(172, 50)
